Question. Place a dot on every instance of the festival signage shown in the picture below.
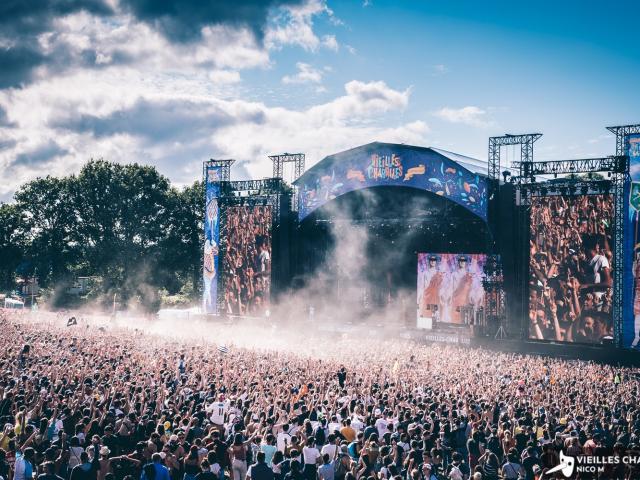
(631, 309)
(211, 239)
(380, 164)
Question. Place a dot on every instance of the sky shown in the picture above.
(174, 83)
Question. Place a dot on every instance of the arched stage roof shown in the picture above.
(456, 177)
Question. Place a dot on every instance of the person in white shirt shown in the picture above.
(218, 411)
(311, 457)
(382, 426)
(283, 438)
(330, 447)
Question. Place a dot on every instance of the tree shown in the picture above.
(122, 218)
(182, 248)
(124, 225)
(11, 244)
(48, 226)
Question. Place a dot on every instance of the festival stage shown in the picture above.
(537, 257)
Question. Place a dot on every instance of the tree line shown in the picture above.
(125, 226)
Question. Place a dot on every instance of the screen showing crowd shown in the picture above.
(247, 260)
(570, 268)
(450, 289)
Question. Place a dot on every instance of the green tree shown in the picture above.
(123, 218)
(182, 247)
(11, 244)
(48, 221)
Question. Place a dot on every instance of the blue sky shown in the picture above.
(113, 79)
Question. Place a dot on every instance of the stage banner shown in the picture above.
(631, 310)
(211, 240)
(450, 289)
(384, 165)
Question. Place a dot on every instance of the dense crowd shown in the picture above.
(99, 401)
(247, 261)
(571, 268)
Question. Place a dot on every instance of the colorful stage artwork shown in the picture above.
(631, 310)
(211, 240)
(382, 164)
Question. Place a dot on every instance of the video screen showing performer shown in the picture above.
(450, 287)
(570, 268)
(247, 260)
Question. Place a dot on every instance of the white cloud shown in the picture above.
(224, 76)
(469, 115)
(175, 127)
(306, 74)
(330, 42)
(293, 25)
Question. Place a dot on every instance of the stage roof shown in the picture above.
(457, 177)
(472, 164)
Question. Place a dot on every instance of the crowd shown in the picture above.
(106, 402)
(247, 260)
(571, 268)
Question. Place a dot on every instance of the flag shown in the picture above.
(223, 349)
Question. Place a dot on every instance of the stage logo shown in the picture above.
(384, 167)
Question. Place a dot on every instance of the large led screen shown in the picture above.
(570, 268)
(450, 289)
(247, 260)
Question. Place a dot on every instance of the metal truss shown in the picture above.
(612, 163)
(618, 183)
(493, 283)
(298, 160)
(279, 160)
(225, 172)
(250, 201)
(237, 187)
(620, 179)
(622, 132)
(525, 141)
(564, 187)
(256, 192)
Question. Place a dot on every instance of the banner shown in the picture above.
(211, 240)
(631, 309)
